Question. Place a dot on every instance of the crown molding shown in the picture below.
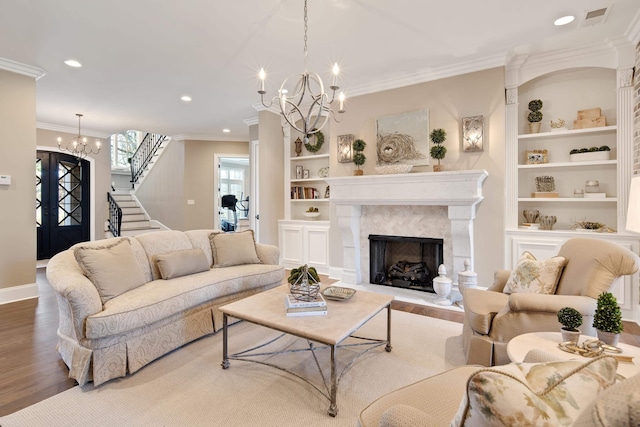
(24, 69)
(251, 121)
(213, 138)
(478, 64)
(72, 130)
(633, 31)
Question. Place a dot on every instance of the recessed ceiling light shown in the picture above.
(186, 98)
(564, 20)
(73, 63)
(226, 130)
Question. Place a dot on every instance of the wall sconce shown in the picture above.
(472, 134)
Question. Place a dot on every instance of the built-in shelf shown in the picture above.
(311, 157)
(559, 134)
(568, 199)
(309, 200)
(303, 180)
(569, 164)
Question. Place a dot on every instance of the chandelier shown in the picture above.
(305, 91)
(79, 146)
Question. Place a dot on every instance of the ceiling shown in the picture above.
(139, 57)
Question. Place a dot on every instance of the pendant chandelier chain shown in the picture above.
(306, 28)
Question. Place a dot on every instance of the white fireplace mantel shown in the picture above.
(460, 191)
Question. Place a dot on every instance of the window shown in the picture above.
(123, 146)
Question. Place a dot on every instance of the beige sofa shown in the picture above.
(124, 302)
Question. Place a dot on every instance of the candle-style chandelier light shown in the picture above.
(305, 91)
(79, 146)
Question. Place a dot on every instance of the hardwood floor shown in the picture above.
(31, 369)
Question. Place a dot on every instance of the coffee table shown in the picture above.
(547, 342)
(342, 320)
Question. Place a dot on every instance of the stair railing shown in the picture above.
(143, 155)
(115, 216)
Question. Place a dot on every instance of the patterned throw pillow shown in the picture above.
(535, 276)
(534, 394)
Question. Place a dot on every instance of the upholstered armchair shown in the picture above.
(492, 317)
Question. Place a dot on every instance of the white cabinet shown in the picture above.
(304, 242)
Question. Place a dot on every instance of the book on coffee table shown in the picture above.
(291, 302)
(306, 311)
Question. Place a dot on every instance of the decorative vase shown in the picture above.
(358, 172)
(442, 286)
(531, 215)
(534, 127)
(569, 336)
(547, 222)
(608, 337)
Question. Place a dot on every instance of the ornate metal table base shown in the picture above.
(329, 388)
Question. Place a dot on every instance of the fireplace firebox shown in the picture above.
(404, 262)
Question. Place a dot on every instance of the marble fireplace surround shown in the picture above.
(362, 200)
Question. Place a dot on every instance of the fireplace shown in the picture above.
(427, 202)
(404, 262)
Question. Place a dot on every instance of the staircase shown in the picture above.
(134, 218)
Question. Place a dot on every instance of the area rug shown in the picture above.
(189, 387)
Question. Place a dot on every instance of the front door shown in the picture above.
(62, 202)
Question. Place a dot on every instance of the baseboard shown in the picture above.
(18, 293)
(335, 273)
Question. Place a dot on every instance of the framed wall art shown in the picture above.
(345, 152)
(403, 138)
(299, 171)
(533, 157)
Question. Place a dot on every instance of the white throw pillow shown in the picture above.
(535, 276)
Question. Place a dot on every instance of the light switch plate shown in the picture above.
(5, 179)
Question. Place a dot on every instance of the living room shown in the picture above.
(492, 86)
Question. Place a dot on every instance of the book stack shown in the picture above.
(294, 307)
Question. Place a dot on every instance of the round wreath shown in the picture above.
(314, 148)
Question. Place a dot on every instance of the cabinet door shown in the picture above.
(291, 247)
(541, 248)
(317, 244)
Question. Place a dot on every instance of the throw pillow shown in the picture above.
(553, 393)
(619, 405)
(535, 276)
(233, 249)
(112, 269)
(181, 263)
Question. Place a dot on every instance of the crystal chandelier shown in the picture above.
(79, 146)
(305, 91)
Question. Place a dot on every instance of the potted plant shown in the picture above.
(358, 155)
(438, 151)
(590, 154)
(608, 319)
(570, 319)
(535, 116)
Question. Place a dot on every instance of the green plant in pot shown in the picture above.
(535, 115)
(438, 151)
(571, 320)
(358, 155)
(608, 319)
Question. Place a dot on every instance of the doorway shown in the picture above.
(62, 202)
(232, 192)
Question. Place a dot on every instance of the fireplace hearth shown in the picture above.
(404, 262)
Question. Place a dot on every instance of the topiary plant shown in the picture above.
(535, 115)
(570, 318)
(438, 151)
(608, 317)
(358, 156)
